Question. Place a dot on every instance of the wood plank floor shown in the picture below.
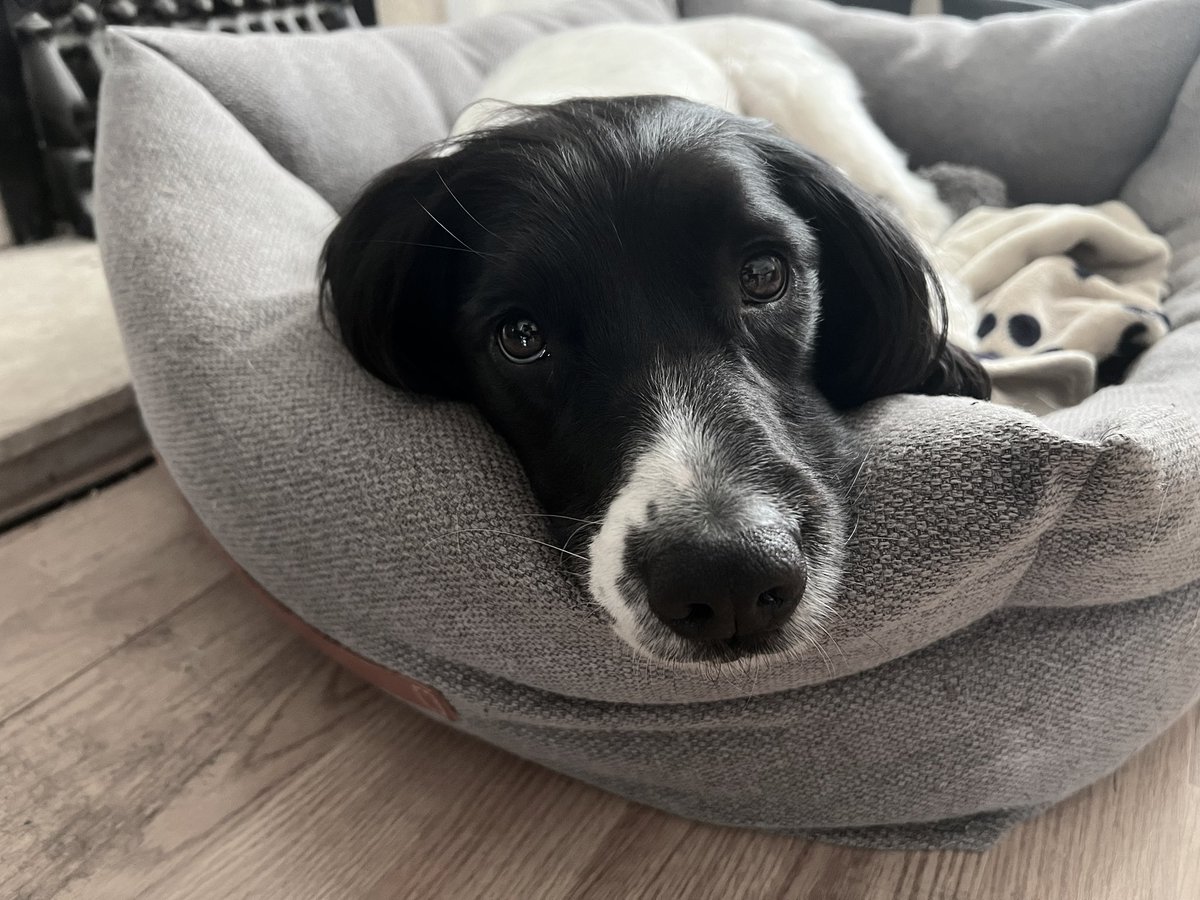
(161, 736)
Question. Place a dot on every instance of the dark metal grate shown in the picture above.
(51, 61)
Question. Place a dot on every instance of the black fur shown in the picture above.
(620, 226)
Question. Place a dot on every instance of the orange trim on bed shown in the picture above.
(411, 691)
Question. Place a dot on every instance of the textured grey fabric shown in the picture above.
(1020, 613)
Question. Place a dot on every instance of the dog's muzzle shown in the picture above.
(718, 546)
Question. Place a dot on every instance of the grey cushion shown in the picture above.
(1020, 612)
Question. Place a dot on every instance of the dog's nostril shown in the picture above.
(697, 614)
(769, 598)
(777, 598)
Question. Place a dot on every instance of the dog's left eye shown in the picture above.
(763, 278)
(521, 340)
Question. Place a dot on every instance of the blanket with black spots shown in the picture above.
(1066, 296)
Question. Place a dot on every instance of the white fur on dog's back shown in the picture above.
(601, 61)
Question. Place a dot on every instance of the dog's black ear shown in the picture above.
(880, 300)
(957, 373)
(393, 272)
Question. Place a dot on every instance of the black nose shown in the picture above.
(718, 587)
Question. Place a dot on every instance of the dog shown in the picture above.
(663, 306)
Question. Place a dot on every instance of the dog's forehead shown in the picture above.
(658, 210)
(697, 191)
(698, 179)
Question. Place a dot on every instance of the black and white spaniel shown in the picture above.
(663, 305)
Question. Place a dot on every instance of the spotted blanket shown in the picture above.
(1067, 296)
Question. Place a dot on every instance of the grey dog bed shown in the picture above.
(1023, 607)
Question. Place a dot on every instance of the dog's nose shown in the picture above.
(732, 586)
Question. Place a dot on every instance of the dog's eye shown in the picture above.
(521, 340)
(763, 277)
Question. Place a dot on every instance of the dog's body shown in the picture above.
(660, 305)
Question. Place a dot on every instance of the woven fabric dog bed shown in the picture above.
(1021, 609)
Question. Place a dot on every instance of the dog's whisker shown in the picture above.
(649, 669)
(861, 467)
(446, 229)
(837, 616)
(427, 246)
(863, 489)
(571, 537)
(512, 534)
(714, 675)
(616, 231)
(850, 536)
(831, 639)
(556, 516)
(454, 197)
(824, 658)
(878, 646)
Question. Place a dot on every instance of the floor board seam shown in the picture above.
(113, 651)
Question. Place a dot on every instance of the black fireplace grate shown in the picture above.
(52, 58)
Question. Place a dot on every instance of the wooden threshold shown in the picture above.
(68, 419)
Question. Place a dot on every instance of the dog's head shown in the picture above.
(660, 306)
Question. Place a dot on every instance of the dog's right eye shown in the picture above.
(521, 340)
(763, 277)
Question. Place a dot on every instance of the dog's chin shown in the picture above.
(686, 654)
(796, 639)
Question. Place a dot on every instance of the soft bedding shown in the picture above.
(1066, 297)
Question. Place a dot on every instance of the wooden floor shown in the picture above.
(161, 736)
